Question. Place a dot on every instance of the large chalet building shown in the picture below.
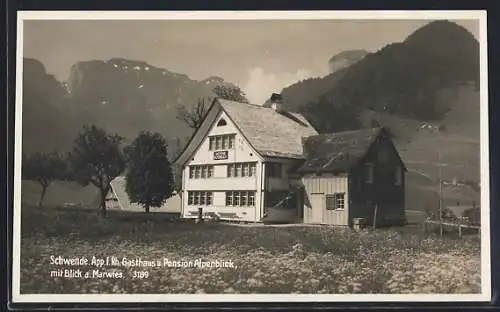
(255, 163)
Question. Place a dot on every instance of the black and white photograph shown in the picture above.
(251, 156)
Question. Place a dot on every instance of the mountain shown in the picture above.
(425, 90)
(345, 59)
(123, 96)
(401, 78)
(45, 110)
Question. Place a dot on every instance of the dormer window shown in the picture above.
(222, 122)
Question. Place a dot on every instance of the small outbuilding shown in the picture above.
(351, 175)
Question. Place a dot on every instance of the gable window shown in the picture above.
(221, 142)
(218, 142)
(222, 122)
(211, 145)
(369, 173)
(335, 201)
(398, 176)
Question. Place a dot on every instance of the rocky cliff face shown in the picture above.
(345, 59)
(123, 96)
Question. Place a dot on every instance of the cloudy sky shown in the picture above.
(261, 56)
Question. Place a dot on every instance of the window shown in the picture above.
(225, 144)
(218, 142)
(245, 170)
(201, 171)
(335, 201)
(243, 198)
(236, 198)
(211, 144)
(222, 122)
(369, 173)
(241, 170)
(251, 198)
(221, 142)
(398, 176)
(240, 198)
(252, 169)
(200, 198)
(274, 170)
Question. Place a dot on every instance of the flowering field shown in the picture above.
(264, 259)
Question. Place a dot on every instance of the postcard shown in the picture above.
(260, 156)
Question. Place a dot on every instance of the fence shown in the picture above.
(460, 226)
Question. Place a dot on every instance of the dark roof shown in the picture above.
(337, 151)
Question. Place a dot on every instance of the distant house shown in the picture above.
(347, 174)
(118, 199)
(263, 164)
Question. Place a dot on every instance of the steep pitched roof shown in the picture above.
(270, 133)
(337, 151)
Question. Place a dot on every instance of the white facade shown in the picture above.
(238, 171)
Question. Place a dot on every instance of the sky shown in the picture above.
(261, 56)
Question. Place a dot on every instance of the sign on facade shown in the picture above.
(220, 155)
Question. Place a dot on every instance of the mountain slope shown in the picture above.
(123, 96)
(345, 59)
(426, 83)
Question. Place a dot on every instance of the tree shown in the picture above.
(96, 158)
(149, 179)
(193, 118)
(231, 93)
(44, 169)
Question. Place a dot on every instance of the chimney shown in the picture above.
(276, 102)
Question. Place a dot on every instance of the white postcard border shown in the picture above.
(480, 15)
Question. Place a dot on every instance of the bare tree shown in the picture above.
(195, 116)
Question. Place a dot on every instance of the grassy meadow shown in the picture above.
(267, 259)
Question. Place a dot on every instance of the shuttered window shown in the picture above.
(335, 201)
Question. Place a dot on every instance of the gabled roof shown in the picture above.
(270, 133)
(172, 204)
(337, 151)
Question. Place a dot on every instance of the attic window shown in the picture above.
(221, 122)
